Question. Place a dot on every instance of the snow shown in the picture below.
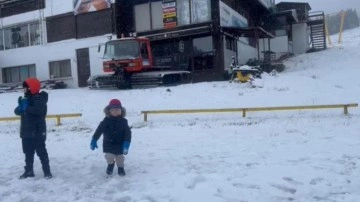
(309, 155)
(243, 67)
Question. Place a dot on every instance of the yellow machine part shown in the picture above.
(243, 76)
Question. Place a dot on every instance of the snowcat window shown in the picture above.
(122, 49)
(144, 51)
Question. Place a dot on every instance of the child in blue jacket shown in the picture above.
(117, 136)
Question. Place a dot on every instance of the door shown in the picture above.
(83, 66)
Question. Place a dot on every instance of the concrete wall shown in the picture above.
(301, 38)
(42, 55)
(279, 45)
(245, 52)
(227, 56)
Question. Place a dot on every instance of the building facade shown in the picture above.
(292, 30)
(50, 40)
(53, 39)
(200, 36)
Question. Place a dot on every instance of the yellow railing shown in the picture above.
(53, 116)
(249, 109)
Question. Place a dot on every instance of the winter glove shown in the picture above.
(19, 100)
(125, 147)
(93, 144)
(23, 103)
(18, 109)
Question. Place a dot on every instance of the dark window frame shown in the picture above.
(15, 33)
(7, 70)
(63, 74)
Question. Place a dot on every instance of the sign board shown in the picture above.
(169, 13)
(85, 6)
(230, 18)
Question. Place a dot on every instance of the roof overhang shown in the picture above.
(291, 15)
(249, 32)
(307, 5)
(2, 2)
(265, 4)
(6, 3)
(176, 33)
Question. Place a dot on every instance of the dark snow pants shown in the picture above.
(32, 145)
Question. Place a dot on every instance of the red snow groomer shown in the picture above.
(130, 63)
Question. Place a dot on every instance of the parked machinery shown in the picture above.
(130, 63)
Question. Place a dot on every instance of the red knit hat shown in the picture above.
(114, 103)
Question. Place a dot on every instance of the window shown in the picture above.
(20, 36)
(200, 11)
(18, 74)
(8, 41)
(203, 44)
(144, 51)
(203, 53)
(149, 16)
(2, 43)
(35, 36)
(183, 12)
(163, 53)
(60, 69)
(173, 53)
(230, 43)
(144, 54)
(122, 49)
(193, 11)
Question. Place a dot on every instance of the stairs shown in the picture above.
(316, 22)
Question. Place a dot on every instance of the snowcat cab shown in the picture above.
(129, 63)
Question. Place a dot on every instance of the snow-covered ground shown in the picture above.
(300, 156)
